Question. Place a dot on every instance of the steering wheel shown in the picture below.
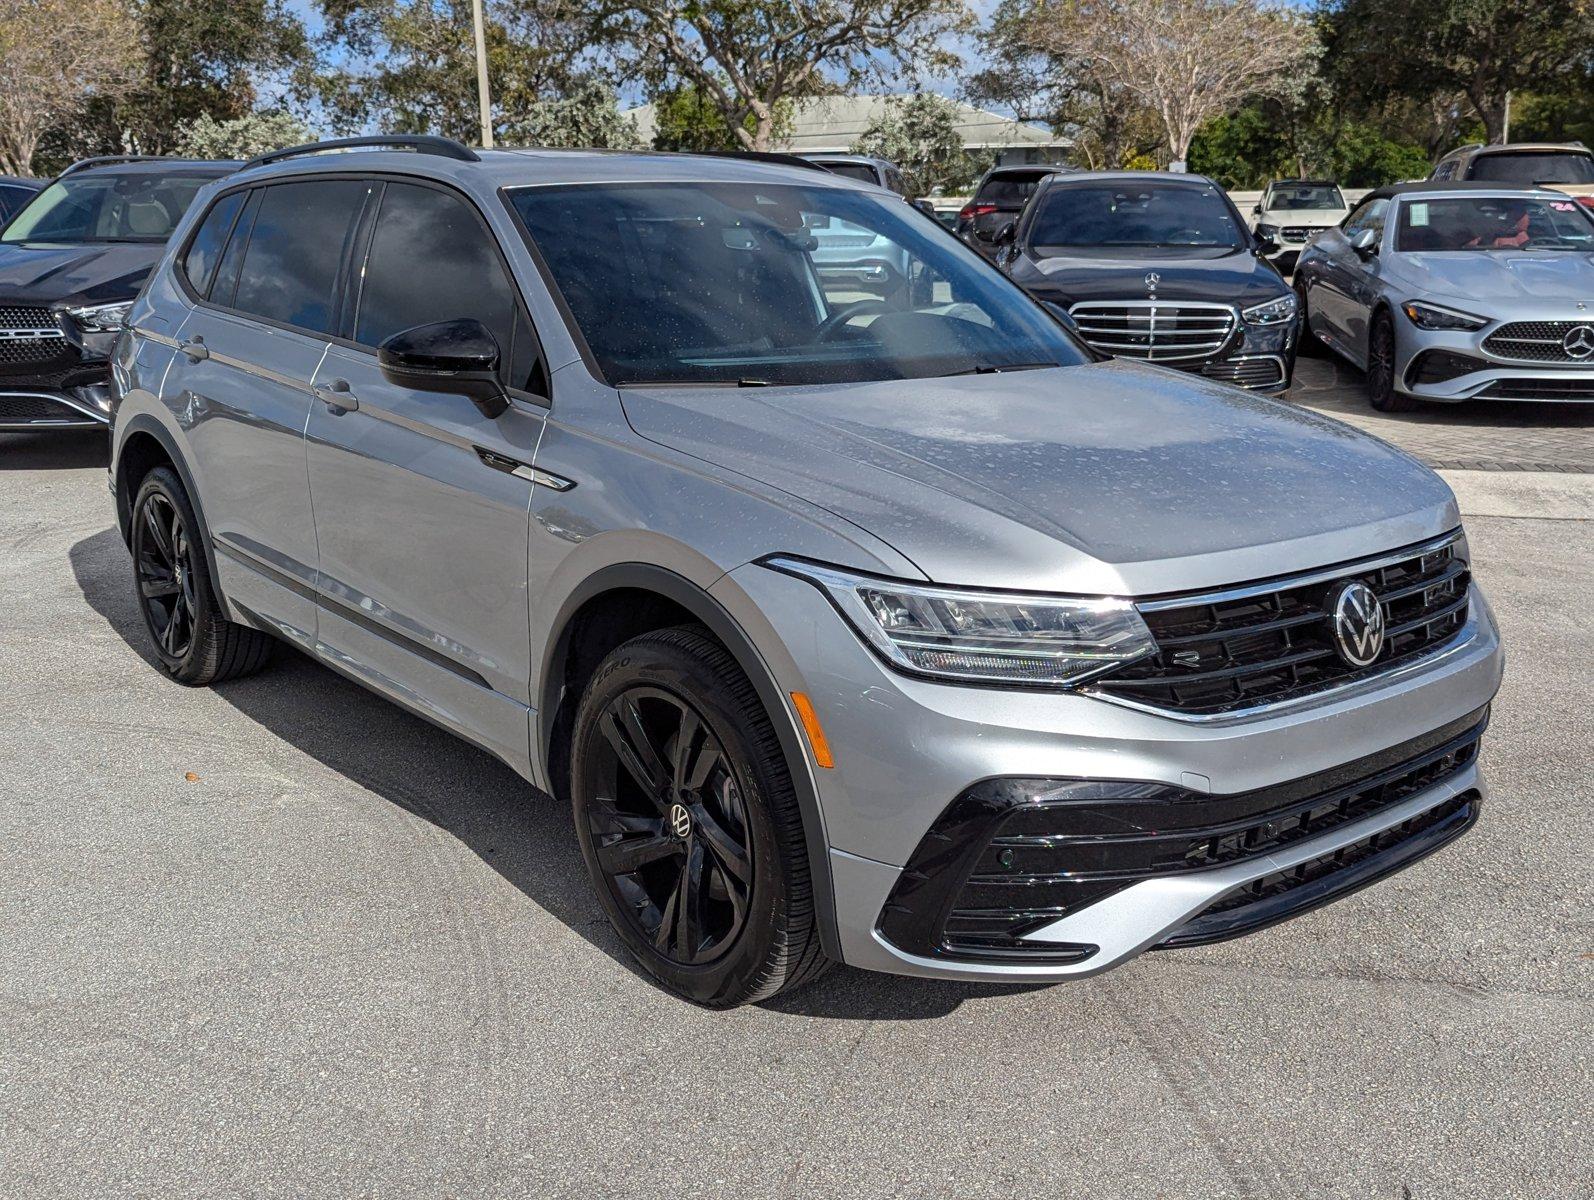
(846, 313)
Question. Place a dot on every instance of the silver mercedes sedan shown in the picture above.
(1457, 291)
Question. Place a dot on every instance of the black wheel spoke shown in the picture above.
(158, 531)
(622, 725)
(727, 852)
(689, 906)
(156, 583)
(642, 841)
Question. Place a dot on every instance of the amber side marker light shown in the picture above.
(815, 731)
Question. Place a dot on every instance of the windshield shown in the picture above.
(1319, 196)
(1133, 214)
(1553, 167)
(1493, 223)
(750, 284)
(106, 207)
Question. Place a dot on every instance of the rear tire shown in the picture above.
(689, 824)
(1381, 391)
(193, 640)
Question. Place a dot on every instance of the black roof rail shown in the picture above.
(106, 160)
(421, 143)
(783, 160)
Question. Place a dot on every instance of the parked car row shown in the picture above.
(891, 625)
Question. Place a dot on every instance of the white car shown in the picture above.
(1293, 211)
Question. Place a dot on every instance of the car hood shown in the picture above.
(91, 273)
(1109, 477)
(1220, 276)
(1489, 278)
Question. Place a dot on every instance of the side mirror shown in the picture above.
(1256, 210)
(1265, 244)
(925, 206)
(1004, 236)
(458, 357)
(1365, 243)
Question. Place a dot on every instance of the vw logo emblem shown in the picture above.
(680, 821)
(1357, 621)
(1152, 280)
(1579, 341)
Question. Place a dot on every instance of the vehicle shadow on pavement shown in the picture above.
(57, 450)
(522, 834)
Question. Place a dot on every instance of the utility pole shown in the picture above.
(482, 94)
(1505, 126)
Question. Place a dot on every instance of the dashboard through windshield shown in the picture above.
(739, 284)
(107, 207)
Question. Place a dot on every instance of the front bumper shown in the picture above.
(906, 749)
(1259, 358)
(1451, 366)
(86, 406)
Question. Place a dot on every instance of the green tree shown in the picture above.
(687, 119)
(240, 137)
(202, 57)
(919, 133)
(589, 116)
(747, 56)
(1483, 50)
(409, 66)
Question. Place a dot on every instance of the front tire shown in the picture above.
(1381, 391)
(1310, 345)
(689, 824)
(193, 640)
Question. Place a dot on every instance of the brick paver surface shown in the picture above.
(1486, 435)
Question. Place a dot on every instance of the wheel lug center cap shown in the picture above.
(680, 821)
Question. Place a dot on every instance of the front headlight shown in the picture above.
(100, 318)
(968, 635)
(1266, 229)
(1272, 312)
(1434, 316)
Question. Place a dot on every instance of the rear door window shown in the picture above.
(204, 251)
(292, 264)
(432, 259)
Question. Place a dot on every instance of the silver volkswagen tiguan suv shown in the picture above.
(890, 629)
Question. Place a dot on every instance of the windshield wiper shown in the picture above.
(1005, 367)
(695, 383)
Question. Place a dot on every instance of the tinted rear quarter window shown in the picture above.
(295, 250)
(199, 264)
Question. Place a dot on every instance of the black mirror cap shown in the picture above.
(1061, 315)
(459, 357)
(1005, 235)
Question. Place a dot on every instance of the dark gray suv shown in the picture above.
(890, 628)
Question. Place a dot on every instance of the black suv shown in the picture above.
(71, 263)
(1159, 267)
(1000, 196)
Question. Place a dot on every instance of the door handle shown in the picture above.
(195, 349)
(337, 397)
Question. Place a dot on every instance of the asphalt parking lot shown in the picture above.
(281, 938)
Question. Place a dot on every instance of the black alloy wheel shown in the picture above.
(194, 641)
(669, 826)
(163, 556)
(689, 822)
(1381, 390)
(1311, 345)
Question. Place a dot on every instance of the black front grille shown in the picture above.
(1294, 890)
(1222, 651)
(1297, 233)
(1012, 855)
(1539, 341)
(1441, 366)
(42, 340)
(1538, 389)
